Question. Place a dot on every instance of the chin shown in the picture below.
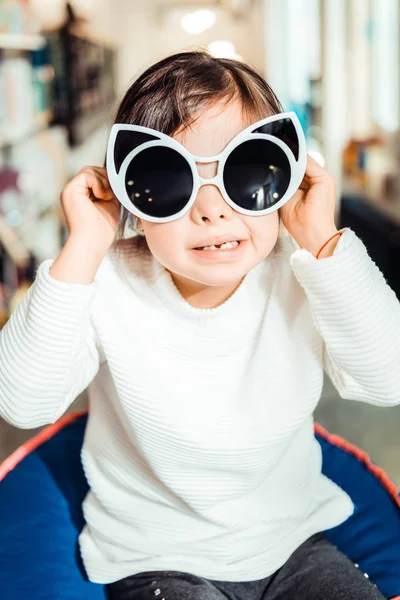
(219, 275)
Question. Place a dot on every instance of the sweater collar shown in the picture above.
(241, 308)
(250, 294)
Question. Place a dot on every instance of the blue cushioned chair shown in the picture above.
(42, 486)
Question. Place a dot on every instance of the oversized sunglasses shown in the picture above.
(156, 178)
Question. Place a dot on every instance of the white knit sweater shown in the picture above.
(199, 448)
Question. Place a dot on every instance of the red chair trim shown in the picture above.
(363, 457)
(47, 432)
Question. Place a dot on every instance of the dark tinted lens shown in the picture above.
(159, 181)
(285, 131)
(257, 174)
(126, 141)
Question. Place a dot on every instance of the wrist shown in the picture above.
(314, 241)
(328, 249)
(77, 262)
(87, 245)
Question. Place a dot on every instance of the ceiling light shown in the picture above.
(198, 21)
(223, 49)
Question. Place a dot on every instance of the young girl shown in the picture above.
(204, 367)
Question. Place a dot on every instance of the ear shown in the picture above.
(125, 140)
(285, 127)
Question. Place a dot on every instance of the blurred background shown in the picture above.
(64, 66)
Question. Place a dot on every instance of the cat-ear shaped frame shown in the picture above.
(126, 141)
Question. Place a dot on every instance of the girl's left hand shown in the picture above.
(309, 215)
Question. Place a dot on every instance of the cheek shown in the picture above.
(264, 230)
(164, 242)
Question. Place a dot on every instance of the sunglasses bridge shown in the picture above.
(208, 160)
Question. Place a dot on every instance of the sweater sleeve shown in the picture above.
(358, 317)
(48, 351)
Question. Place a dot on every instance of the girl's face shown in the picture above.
(203, 279)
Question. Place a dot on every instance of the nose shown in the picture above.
(210, 206)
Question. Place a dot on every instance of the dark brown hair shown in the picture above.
(167, 94)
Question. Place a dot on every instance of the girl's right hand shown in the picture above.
(91, 210)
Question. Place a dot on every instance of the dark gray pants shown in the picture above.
(315, 571)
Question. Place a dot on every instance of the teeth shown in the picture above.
(227, 245)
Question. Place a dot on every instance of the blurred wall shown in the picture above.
(147, 30)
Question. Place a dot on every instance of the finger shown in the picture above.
(90, 184)
(102, 175)
(314, 169)
(109, 194)
(304, 186)
(98, 171)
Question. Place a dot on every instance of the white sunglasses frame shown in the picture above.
(117, 179)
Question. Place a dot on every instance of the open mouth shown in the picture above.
(225, 246)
